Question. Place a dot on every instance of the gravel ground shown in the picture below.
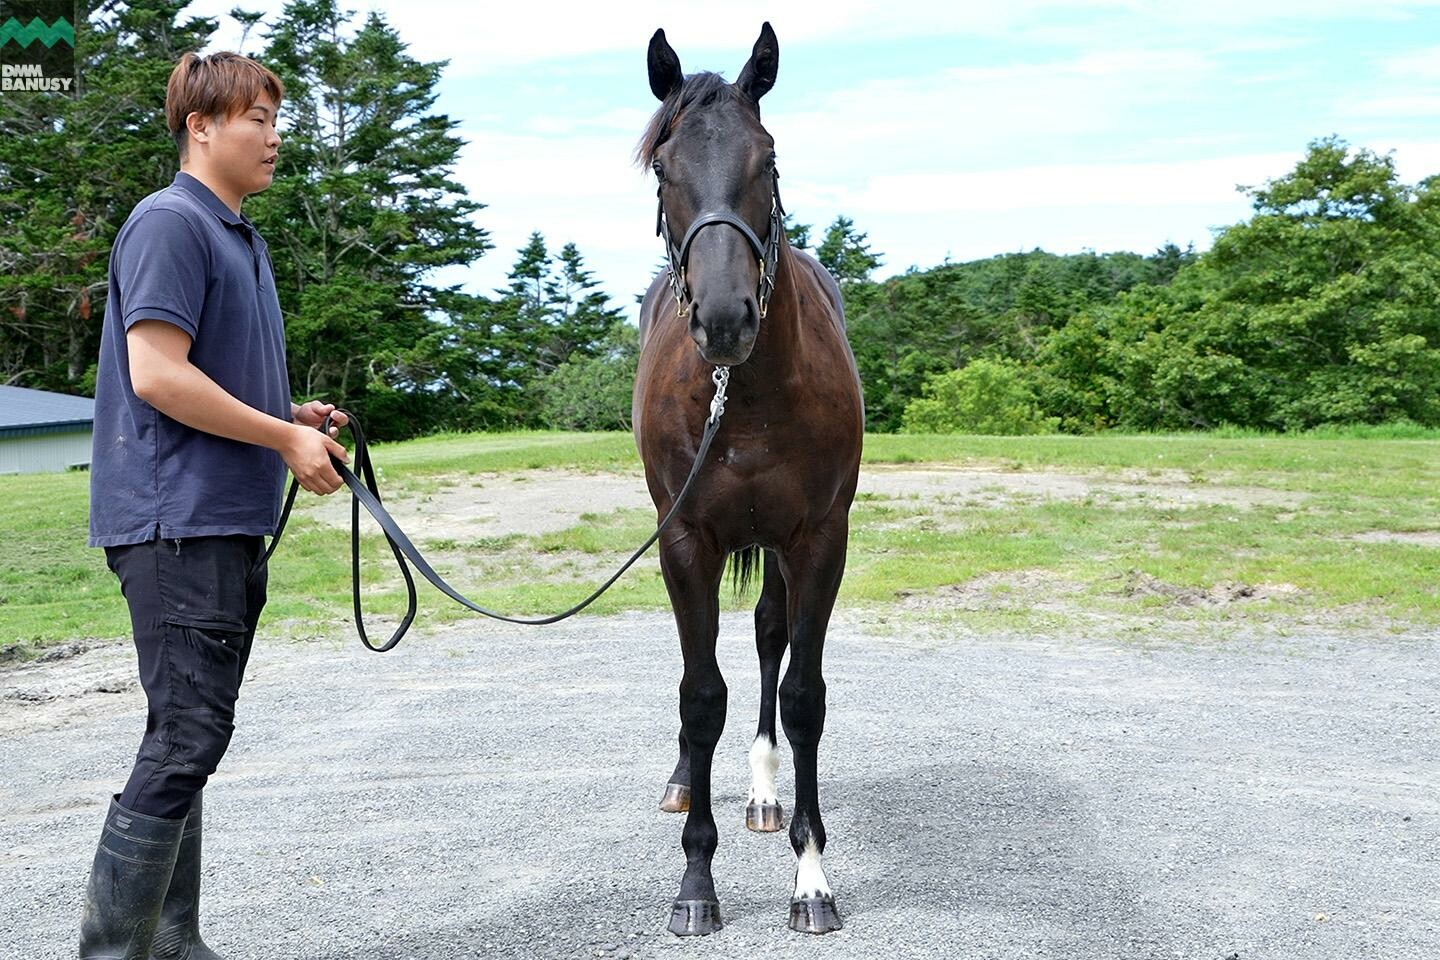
(491, 791)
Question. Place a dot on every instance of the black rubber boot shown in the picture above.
(178, 935)
(127, 884)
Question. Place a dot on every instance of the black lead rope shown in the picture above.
(368, 494)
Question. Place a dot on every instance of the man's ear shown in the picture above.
(198, 126)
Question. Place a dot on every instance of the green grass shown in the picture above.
(1335, 486)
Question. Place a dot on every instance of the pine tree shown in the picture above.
(72, 167)
(363, 207)
(845, 253)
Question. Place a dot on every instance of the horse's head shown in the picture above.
(719, 206)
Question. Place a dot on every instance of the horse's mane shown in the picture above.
(698, 89)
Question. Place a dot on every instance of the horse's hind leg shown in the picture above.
(813, 577)
(677, 789)
(763, 813)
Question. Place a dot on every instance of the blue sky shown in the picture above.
(945, 130)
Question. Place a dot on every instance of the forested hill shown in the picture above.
(1322, 308)
(927, 322)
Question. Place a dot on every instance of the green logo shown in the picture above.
(13, 31)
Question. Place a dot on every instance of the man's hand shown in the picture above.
(164, 377)
(307, 453)
(313, 414)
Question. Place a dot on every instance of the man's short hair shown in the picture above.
(221, 86)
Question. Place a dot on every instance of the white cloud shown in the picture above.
(1189, 183)
(1414, 66)
(1404, 107)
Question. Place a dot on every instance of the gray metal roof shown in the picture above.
(21, 408)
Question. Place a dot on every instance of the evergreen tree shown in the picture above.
(363, 207)
(496, 355)
(71, 170)
(798, 234)
(845, 253)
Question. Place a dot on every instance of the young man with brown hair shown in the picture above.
(194, 430)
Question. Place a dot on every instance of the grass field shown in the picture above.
(1343, 527)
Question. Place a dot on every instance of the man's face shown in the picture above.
(242, 149)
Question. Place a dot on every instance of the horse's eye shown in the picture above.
(659, 171)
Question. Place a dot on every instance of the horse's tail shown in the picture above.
(743, 563)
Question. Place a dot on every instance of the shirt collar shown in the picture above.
(207, 197)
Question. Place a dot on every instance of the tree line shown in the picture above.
(1321, 308)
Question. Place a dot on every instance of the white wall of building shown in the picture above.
(45, 453)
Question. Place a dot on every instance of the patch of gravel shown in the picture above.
(491, 791)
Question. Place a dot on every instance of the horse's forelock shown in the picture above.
(698, 90)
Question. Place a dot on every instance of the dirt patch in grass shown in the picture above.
(1139, 584)
(469, 507)
(1048, 592)
(472, 506)
(1414, 538)
(1174, 488)
(1030, 589)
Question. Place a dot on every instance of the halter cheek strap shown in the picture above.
(767, 253)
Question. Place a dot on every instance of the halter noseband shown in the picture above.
(768, 253)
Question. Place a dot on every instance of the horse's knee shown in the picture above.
(802, 703)
(702, 711)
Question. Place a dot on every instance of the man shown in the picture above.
(194, 429)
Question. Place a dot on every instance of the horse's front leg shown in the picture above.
(692, 571)
(812, 574)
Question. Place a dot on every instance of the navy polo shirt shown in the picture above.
(185, 258)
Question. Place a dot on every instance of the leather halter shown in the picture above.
(767, 253)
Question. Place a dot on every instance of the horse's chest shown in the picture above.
(765, 488)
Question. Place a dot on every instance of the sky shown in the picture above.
(947, 131)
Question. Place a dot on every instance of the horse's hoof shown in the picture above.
(695, 918)
(764, 817)
(676, 799)
(814, 915)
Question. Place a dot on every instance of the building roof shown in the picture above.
(24, 411)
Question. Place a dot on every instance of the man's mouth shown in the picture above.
(269, 161)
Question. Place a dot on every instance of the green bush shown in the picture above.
(985, 396)
(593, 393)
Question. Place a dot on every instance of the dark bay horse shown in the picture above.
(781, 474)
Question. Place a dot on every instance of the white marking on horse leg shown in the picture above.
(764, 761)
(810, 875)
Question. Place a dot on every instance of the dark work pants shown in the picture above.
(194, 618)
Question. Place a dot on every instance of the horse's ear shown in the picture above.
(758, 76)
(665, 75)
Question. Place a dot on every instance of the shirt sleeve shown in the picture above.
(162, 268)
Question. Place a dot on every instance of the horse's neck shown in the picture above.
(777, 350)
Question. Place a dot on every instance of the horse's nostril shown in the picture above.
(697, 330)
